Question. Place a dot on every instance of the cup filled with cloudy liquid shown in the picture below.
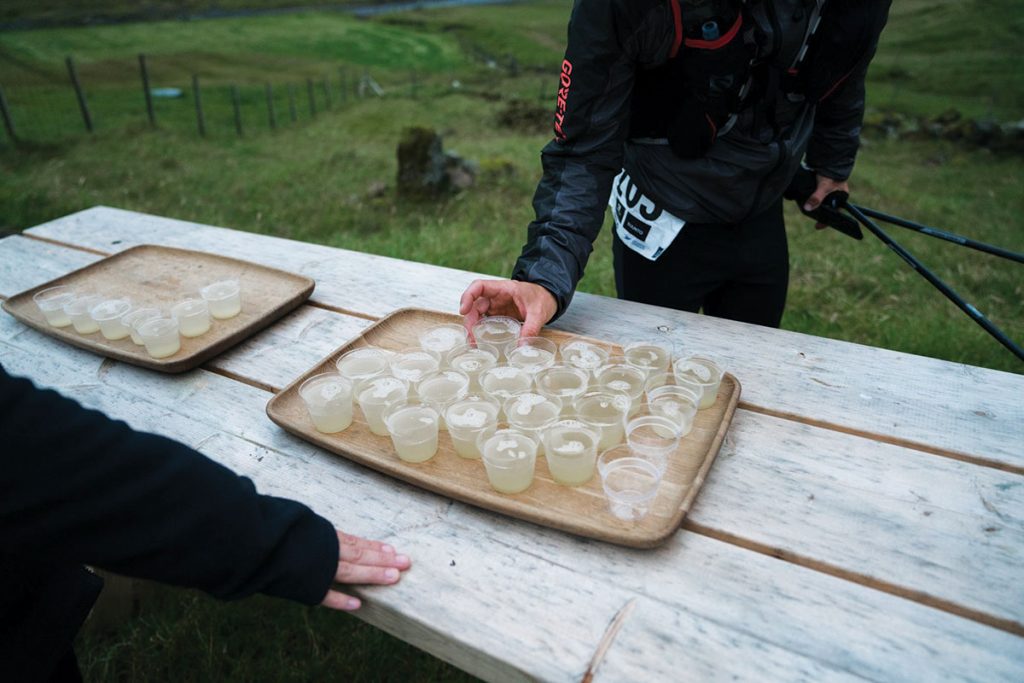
(471, 360)
(532, 413)
(649, 355)
(135, 317)
(413, 429)
(469, 420)
(532, 354)
(439, 389)
(363, 363)
(583, 354)
(606, 412)
(624, 379)
(570, 447)
(503, 382)
(193, 316)
(509, 457)
(413, 364)
(564, 382)
(443, 338)
(630, 482)
(328, 399)
(703, 372)
(109, 316)
(497, 332)
(78, 310)
(375, 396)
(51, 303)
(160, 336)
(224, 298)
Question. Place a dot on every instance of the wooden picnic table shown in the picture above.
(864, 518)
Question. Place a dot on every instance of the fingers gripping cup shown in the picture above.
(509, 457)
(630, 483)
(78, 311)
(440, 389)
(109, 316)
(328, 399)
(160, 336)
(469, 420)
(193, 316)
(413, 429)
(497, 332)
(570, 447)
(224, 298)
(703, 372)
(51, 304)
(375, 396)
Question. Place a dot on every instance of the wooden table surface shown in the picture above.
(864, 519)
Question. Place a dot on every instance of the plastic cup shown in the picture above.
(570, 447)
(625, 379)
(443, 338)
(78, 311)
(510, 457)
(564, 382)
(223, 298)
(502, 382)
(363, 363)
(703, 372)
(328, 399)
(649, 355)
(471, 360)
(135, 317)
(414, 364)
(497, 332)
(532, 413)
(675, 403)
(630, 483)
(532, 354)
(654, 436)
(441, 389)
(193, 316)
(605, 411)
(375, 396)
(413, 429)
(51, 301)
(108, 315)
(584, 355)
(469, 420)
(160, 336)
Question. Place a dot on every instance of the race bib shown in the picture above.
(641, 224)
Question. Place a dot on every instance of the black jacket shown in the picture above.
(622, 68)
(79, 488)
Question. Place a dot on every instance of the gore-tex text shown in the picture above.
(565, 80)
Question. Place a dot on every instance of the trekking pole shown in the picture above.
(941, 234)
(946, 290)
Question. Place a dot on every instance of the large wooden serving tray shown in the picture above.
(160, 277)
(580, 510)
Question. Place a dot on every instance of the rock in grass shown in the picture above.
(426, 171)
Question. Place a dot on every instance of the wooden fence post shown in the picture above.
(83, 106)
(327, 94)
(291, 102)
(271, 115)
(197, 95)
(312, 97)
(8, 120)
(145, 90)
(237, 107)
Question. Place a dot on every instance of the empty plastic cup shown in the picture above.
(160, 336)
(630, 483)
(375, 396)
(109, 316)
(78, 310)
(224, 298)
(328, 399)
(703, 372)
(509, 457)
(51, 303)
(443, 338)
(570, 447)
(440, 389)
(676, 403)
(654, 436)
(532, 354)
(413, 429)
(470, 419)
(193, 316)
(135, 317)
(364, 363)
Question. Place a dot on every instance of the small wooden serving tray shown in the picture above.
(580, 510)
(160, 277)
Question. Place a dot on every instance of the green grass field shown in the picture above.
(311, 181)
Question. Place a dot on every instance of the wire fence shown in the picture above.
(67, 101)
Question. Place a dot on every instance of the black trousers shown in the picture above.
(739, 272)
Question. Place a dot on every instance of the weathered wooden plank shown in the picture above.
(714, 584)
(25, 263)
(977, 415)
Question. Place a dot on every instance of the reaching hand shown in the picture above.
(523, 301)
(826, 186)
(363, 561)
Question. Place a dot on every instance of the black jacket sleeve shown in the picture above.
(590, 125)
(76, 486)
